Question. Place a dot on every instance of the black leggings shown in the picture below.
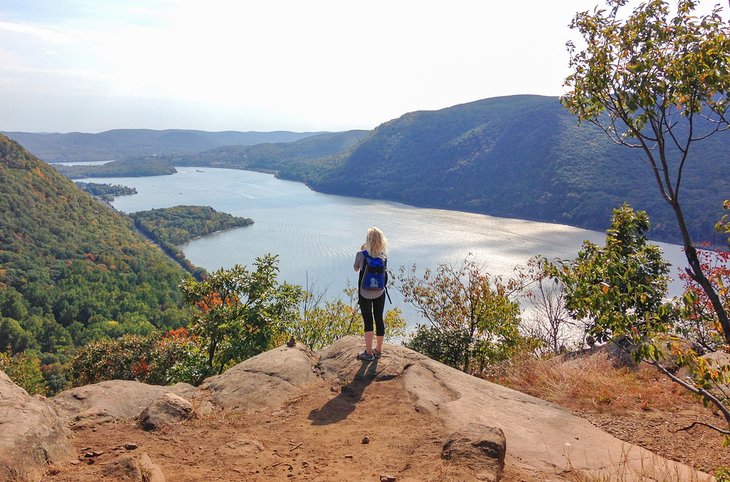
(370, 309)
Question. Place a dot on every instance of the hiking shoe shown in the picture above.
(377, 353)
(364, 356)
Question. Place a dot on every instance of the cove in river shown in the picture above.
(317, 235)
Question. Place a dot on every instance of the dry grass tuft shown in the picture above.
(592, 383)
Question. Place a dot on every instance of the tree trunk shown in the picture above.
(211, 353)
(467, 356)
(696, 273)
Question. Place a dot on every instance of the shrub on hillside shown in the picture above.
(155, 359)
(474, 320)
(25, 370)
(322, 322)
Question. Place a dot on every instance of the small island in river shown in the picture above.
(175, 226)
(106, 192)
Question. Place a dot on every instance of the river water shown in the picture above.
(317, 235)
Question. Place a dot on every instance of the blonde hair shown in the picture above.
(375, 243)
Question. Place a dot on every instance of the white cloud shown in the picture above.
(41, 33)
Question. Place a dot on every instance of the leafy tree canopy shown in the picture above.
(618, 287)
(474, 323)
(239, 312)
(658, 81)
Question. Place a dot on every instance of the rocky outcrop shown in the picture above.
(114, 399)
(539, 436)
(480, 448)
(33, 435)
(485, 427)
(139, 468)
(166, 410)
(265, 380)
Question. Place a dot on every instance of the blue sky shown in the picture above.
(93, 65)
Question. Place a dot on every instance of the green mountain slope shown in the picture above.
(302, 160)
(124, 143)
(524, 157)
(72, 269)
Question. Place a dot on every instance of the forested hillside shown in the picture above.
(71, 269)
(303, 160)
(175, 226)
(525, 157)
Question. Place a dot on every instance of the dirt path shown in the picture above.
(318, 436)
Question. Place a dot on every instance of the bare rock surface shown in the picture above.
(539, 435)
(717, 358)
(480, 448)
(291, 413)
(118, 399)
(32, 434)
(265, 380)
(166, 410)
(133, 468)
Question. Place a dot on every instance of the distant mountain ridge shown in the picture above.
(525, 157)
(125, 143)
(519, 156)
(301, 160)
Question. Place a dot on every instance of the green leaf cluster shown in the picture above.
(239, 312)
(651, 67)
(320, 324)
(25, 371)
(474, 323)
(619, 288)
(723, 225)
(159, 359)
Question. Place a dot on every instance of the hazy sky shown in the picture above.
(93, 65)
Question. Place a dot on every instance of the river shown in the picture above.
(317, 235)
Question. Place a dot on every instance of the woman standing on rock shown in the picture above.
(371, 262)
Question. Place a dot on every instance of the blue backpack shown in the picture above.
(374, 274)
